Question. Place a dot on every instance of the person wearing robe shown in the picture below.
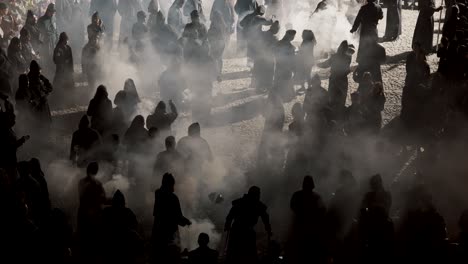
(265, 62)
(242, 9)
(167, 218)
(100, 110)
(196, 25)
(17, 60)
(172, 83)
(64, 14)
(195, 150)
(84, 144)
(225, 8)
(96, 28)
(128, 11)
(367, 20)
(77, 27)
(252, 27)
(9, 24)
(40, 88)
(376, 57)
(27, 49)
(48, 29)
(194, 5)
(164, 39)
(127, 99)
(161, 119)
(285, 53)
(63, 59)
(241, 222)
(373, 104)
(203, 254)
(153, 9)
(305, 58)
(170, 160)
(175, 17)
(217, 39)
(424, 30)
(377, 195)
(91, 61)
(140, 31)
(23, 104)
(340, 68)
(107, 10)
(393, 24)
(31, 26)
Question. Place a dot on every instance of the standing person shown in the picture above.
(100, 110)
(240, 223)
(96, 28)
(140, 31)
(84, 144)
(372, 106)
(252, 28)
(128, 11)
(161, 119)
(91, 61)
(172, 83)
(194, 5)
(367, 19)
(17, 60)
(77, 27)
(217, 39)
(170, 160)
(265, 61)
(393, 25)
(338, 84)
(49, 35)
(64, 14)
(153, 9)
(424, 30)
(305, 58)
(31, 26)
(285, 63)
(167, 218)
(196, 26)
(40, 88)
(243, 8)
(107, 10)
(195, 150)
(225, 8)
(8, 23)
(63, 59)
(175, 17)
(376, 57)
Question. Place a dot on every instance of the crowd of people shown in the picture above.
(355, 225)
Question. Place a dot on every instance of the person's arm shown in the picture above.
(357, 21)
(325, 64)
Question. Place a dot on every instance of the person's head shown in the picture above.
(260, 10)
(254, 193)
(34, 68)
(84, 122)
(203, 240)
(297, 112)
(194, 130)
(95, 18)
(63, 38)
(343, 48)
(92, 169)
(118, 200)
(25, 37)
(141, 16)
(376, 182)
(50, 11)
(15, 46)
(275, 27)
(168, 182)
(30, 18)
(153, 7)
(130, 87)
(308, 184)
(3, 9)
(101, 92)
(195, 16)
(170, 143)
(161, 107)
(308, 36)
(290, 35)
(138, 121)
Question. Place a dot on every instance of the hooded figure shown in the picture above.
(161, 119)
(96, 28)
(27, 49)
(203, 254)
(84, 144)
(107, 10)
(49, 35)
(285, 66)
(195, 150)
(18, 62)
(153, 9)
(167, 218)
(33, 29)
(40, 88)
(424, 30)
(63, 59)
(377, 196)
(127, 99)
(175, 18)
(128, 11)
(100, 110)
(140, 31)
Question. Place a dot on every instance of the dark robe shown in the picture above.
(84, 145)
(49, 37)
(305, 61)
(376, 56)
(175, 18)
(35, 33)
(265, 62)
(196, 152)
(172, 85)
(169, 161)
(63, 59)
(203, 255)
(100, 111)
(393, 25)
(367, 18)
(285, 53)
(424, 30)
(91, 63)
(40, 88)
(162, 120)
(107, 10)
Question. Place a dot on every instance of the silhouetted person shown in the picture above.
(100, 110)
(84, 144)
(196, 25)
(305, 58)
(43, 201)
(308, 226)
(161, 119)
(424, 30)
(127, 99)
(57, 235)
(107, 10)
(164, 39)
(217, 39)
(95, 30)
(169, 160)
(340, 68)
(367, 19)
(49, 35)
(175, 18)
(377, 196)
(203, 254)
(265, 60)
(372, 106)
(92, 198)
(40, 88)
(122, 244)
(91, 62)
(296, 162)
(393, 24)
(285, 53)
(63, 59)
(140, 31)
(240, 223)
(416, 82)
(136, 136)
(167, 219)
(195, 150)
(31, 26)
(376, 57)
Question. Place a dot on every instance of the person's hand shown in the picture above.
(352, 31)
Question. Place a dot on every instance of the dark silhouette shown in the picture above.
(40, 88)
(285, 56)
(203, 254)
(161, 119)
(305, 58)
(106, 10)
(424, 30)
(63, 59)
(377, 197)
(84, 144)
(169, 160)
(100, 110)
(393, 24)
(240, 223)
(195, 150)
